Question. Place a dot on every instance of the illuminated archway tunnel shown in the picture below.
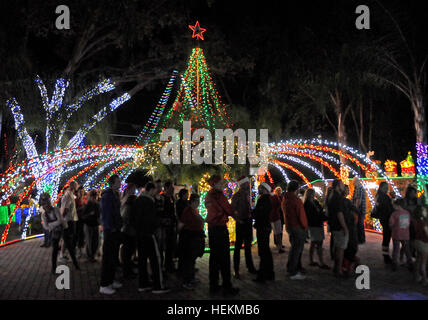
(92, 165)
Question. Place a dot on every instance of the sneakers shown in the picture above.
(62, 260)
(195, 281)
(298, 276)
(188, 286)
(161, 291)
(107, 290)
(145, 289)
(418, 278)
(116, 285)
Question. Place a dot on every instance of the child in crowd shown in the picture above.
(192, 241)
(400, 226)
(419, 223)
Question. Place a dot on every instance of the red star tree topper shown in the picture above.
(197, 31)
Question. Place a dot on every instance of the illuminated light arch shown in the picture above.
(298, 172)
(73, 178)
(303, 163)
(284, 175)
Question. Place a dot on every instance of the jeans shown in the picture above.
(297, 240)
(396, 250)
(68, 243)
(244, 234)
(266, 260)
(47, 240)
(110, 257)
(170, 246)
(386, 236)
(188, 257)
(72, 229)
(92, 236)
(360, 228)
(219, 261)
(128, 249)
(148, 249)
(80, 234)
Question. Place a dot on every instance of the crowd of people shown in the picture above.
(149, 228)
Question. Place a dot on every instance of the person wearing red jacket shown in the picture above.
(218, 212)
(297, 226)
(275, 218)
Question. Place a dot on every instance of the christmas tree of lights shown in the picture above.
(197, 99)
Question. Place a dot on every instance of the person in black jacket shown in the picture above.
(263, 226)
(182, 202)
(316, 218)
(112, 223)
(384, 209)
(129, 246)
(180, 205)
(169, 225)
(91, 220)
(352, 216)
(147, 222)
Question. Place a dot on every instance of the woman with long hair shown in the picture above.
(384, 211)
(55, 222)
(316, 218)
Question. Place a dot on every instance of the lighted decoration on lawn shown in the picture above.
(147, 134)
(422, 162)
(57, 117)
(408, 166)
(196, 100)
(391, 168)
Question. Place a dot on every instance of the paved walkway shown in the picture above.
(25, 274)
